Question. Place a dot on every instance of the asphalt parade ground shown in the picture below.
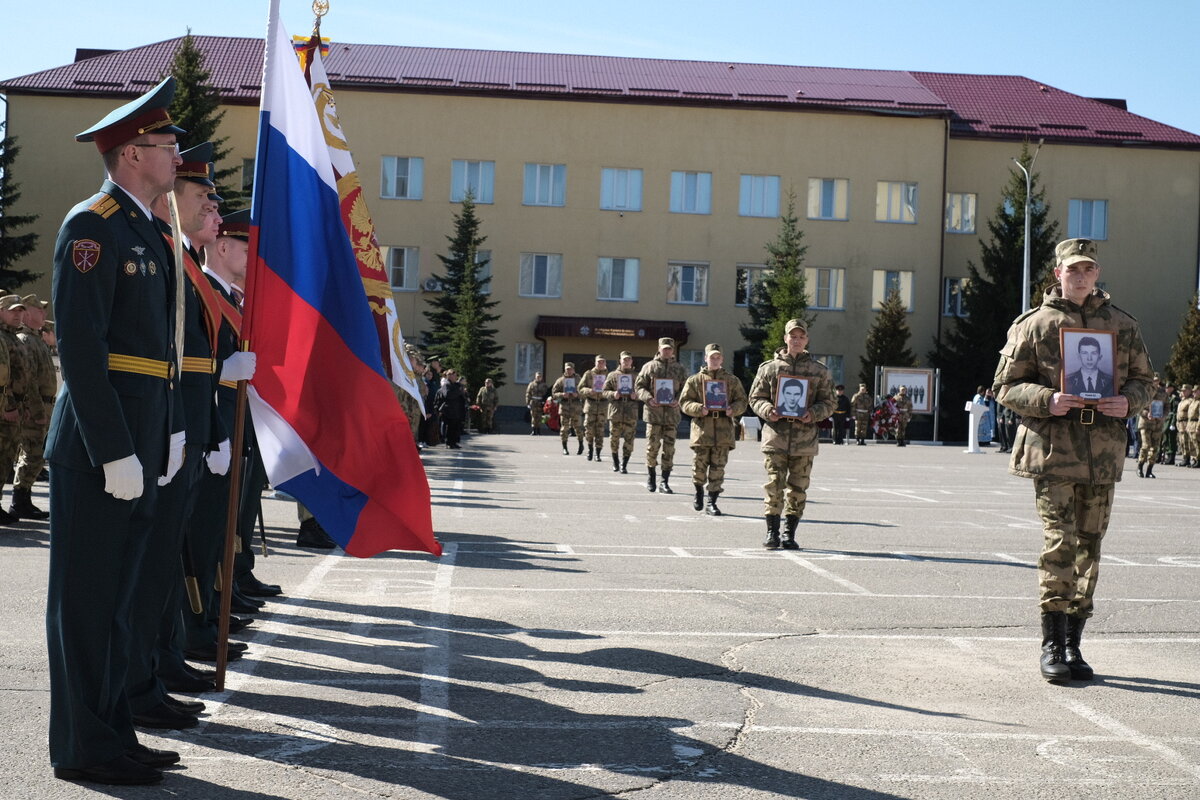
(583, 638)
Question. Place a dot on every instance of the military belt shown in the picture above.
(229, 384)
(141, 366)
(1087, 416)
(194, 364)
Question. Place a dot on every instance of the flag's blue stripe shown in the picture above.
(303, 240)
(335, 503)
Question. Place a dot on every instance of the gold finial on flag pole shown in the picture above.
(320, 8)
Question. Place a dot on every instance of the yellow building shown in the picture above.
(624, 199)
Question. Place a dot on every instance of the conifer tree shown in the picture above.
(887, 340)
(13, 246)
(196, 109)
(992, 295)
(460, 313)
(1184, 364)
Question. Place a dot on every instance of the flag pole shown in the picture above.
(231, 532)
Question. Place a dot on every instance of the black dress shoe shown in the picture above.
(163, 717)
(243, 605)
(121, 771)
(193, 707)
(239, 623)
(149, 757)
(183, 682)
(313, 535)
(199, 672)
(209, 653)
(253, 587)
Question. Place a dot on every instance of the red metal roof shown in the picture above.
(979, 106)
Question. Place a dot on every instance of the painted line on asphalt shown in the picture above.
(679, 551)
(1131, 735)
(824, 573)
(434, 694)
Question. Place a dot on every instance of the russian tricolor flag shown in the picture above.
(329, 427)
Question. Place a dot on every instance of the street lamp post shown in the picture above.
(1025, 276)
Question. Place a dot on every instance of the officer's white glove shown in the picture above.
(174, 458)
(239, 367)
(218, 460)
(123, 478)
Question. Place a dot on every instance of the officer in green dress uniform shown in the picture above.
(114, 431)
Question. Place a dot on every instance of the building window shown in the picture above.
(960, 212)
(952, 297)
(1087, 219)
(402, 268)
(617, 279)
(828, 198)
(692, 360)
(530, 356)
(483, 270)
(824, 286)
(620, 189)
(749, 280)
(248, 175)
(759, 196)
(541, 275)
(836, 365)
(476, 177)
(545, 184)
(402, 178)
(687, 283)
(691, 192)
(895, 201)
(884, 281)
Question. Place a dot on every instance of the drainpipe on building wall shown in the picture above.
(942, 230)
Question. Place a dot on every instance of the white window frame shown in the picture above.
(1087, 218)
(896, 202)
(486, 271)
(527, 361)
(411, 259)
(692, 360)
(390, 169)
(691, 193)
(755, 275)
(477, 176)
(758, 196)
(826, 284)
(628, 268)
(838, 209)
(952, 297)
(550, 282)
(620, 189)
(687, 275)
(545, 184)
(903, 280)
(960, 212)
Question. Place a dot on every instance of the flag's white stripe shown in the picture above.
(284, 453)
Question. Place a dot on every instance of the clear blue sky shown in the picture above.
(1145, 52)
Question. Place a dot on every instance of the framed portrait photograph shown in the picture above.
(664, 391)
(568, 386)
(791, 396)
(1157, 409)
(598, 381)
(624, 384)
(716, 395)
(1088, 362)
(919, 384)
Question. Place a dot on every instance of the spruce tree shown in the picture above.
(887, 340)
(460, 314)
(12, 245)
(992, 295)
(1184, 364)
(196, 109)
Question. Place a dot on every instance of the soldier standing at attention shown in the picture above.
(662, 419)
(903, 414)
(1150, 429)
(841, 414)
(1183, 436)
(570, 407)
(622, 411)
(863, 406)
(713, 434)
(21, 384)
(487, 401)
(1074, 452)
(535, 397)
(790, 443)
(39, 399)
(595, 407)
(1192, 425)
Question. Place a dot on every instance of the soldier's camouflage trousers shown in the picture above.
(32, 439)
(901, 428)
(593, 426)
(568, 423)
(1152, 437)
(708, 466)
(1183, 443)
(535, 416)
(1074, 519)
(790, 474)
(487, 419)
(660, 437)
(1193, 444)
(861, 421)
(622, 429)
(10, 442)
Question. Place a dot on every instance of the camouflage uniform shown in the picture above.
(570, 410)
(487, 400)
(713, 435)
(595, 410)
(21, 383)
(535, 397)
(35, 414)
(662, 421)
(414, 409)
(1150, 430)
(622, 416)
(1193, 428)
(863, 404)
(903, 415)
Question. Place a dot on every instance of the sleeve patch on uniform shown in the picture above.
(85, 254)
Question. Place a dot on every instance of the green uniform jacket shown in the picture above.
(784, 436)
(569, 404)
(862, 401)
(40, 399)
(593, 401)
(536, 391)
(903, 407)
(1028, 375)
(21, 384)
(621, 408)
(716, 430)
(1145, 422)
(486, 398)
(644, 386)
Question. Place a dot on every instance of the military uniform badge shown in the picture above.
(85, 254)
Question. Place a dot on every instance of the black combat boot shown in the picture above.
(664, 486)
(650, 484)
(1080, 669)
(598, 454)
(772, 542)
(1149, 470)
(1054, 642)
(624, 464)
(711, 509)
(789, 533)
(616, 463)
(861, 443)
(566, 452)
(23, 508)
(900, 443)
(591, 449)
(1140, 473)
(579, 452)
(698, 503)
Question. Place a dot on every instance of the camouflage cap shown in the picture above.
(862, 386)
(34, 300)
(795, 323)
(666, 341)
(601, 358)
(1072, 251)
(568, 365)
(1187, 387)
(10, 301)
(711, 348)
(626, 354)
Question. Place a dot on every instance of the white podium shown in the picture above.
(975, 412)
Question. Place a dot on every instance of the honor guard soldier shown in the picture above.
(114, 432)
(39, 400)
(570, 407)
(536, 393)
(661, 409)
(1073, 448)
(863, 405)
(595, 407)
(789, 439)
(622, 411)
(714, 398)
